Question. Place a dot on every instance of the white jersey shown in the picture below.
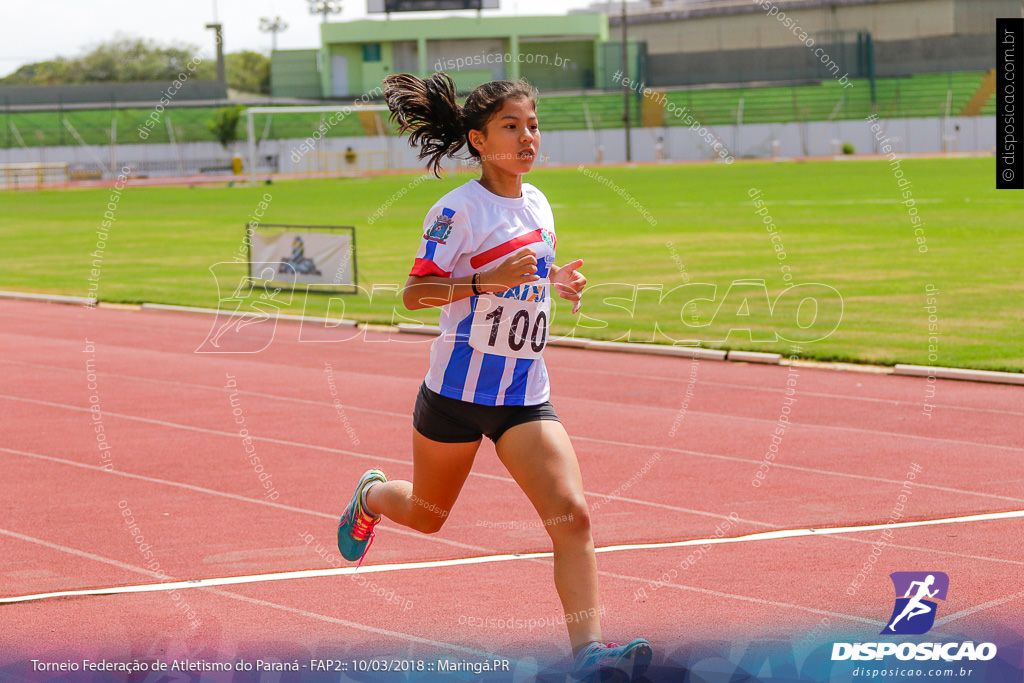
(489, 348)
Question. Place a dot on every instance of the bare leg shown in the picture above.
(439, 470)
(540, 457)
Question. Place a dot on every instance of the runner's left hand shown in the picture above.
(569, 282)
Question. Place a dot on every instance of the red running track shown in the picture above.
(670, 450)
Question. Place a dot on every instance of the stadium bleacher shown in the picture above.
(924, 95)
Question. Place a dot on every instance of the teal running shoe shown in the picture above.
(612, 662)
(355, 530)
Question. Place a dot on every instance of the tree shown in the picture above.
(122, 59)
(224, 125)
(135, 59)
(126, 59)
(51, 72)
(248, 71)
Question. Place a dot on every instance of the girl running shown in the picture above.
(487, 260)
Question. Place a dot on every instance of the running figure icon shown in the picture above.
(916, 607)
(917, 598)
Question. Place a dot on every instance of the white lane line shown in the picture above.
(342, 371)
(777, 390)
(259, 578)
(806, 425)
(812, 426)
(232, 496)
(78, 553)
(219, 389)
(379, 349)
(363, 627)
(353, 624)
(824, 531)
(488, 559)
(932, 551)
(364, 456)
(626, 444)
(797, 468)
(978, 608)
(745, 598)
(193, 584)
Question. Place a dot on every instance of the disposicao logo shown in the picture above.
(917, 594)
(914, 612)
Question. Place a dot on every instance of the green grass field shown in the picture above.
(846, 235)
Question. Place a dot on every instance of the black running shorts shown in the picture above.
(449, 420)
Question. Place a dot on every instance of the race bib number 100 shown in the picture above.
(510, 327)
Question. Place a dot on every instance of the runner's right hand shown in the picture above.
(517, 269)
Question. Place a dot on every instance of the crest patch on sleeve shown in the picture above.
(442, 227)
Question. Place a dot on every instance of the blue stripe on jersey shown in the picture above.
(515, 395)
(454, 381)
(488, 382)
(431, 248)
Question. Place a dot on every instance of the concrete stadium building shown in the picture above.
(741, 41)
(672, 43)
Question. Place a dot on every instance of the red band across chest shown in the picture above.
(494, 253)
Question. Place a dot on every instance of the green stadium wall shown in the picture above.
(293, 73)
(553, 52)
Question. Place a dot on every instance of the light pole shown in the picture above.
(324, 7)
(218, 30)
(273, 27)
(625, 83)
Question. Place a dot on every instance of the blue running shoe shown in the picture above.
(355, 530)
(612, 662)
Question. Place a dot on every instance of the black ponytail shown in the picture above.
(428, 111)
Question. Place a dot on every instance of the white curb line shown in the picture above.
(755, 357)
(49, 298)
(572, 342)
(959, 373)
